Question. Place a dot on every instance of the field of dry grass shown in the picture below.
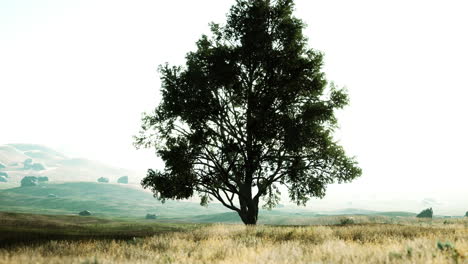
(411, 241)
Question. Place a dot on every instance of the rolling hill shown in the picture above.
(58, 167)
(73, 181)
(99, 198)
(126, 201)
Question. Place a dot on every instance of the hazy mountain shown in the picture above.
(57, 166)
(10, 156)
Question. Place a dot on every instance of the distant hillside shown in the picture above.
(58, 167)
(38, 151)
(401, 214)
(88, 170)
(115, 200)
(350, 211)
(73, 181)
(100, 198)
(10, 156)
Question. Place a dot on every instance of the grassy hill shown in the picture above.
(38, 151)
(100, 198)
(126, 201)
(395, 214)
(114, 200)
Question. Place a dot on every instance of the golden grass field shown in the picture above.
(411, 241)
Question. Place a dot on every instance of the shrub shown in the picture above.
(466, 215)
(27, 164)
(42, 179)
(37, 167)
(444, 246)
(29, 181)
(123, 179)
(150, 216)
(104, 180)
(426, 213)
(347, 221)
(85, 213)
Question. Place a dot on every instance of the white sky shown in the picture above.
(76, 76)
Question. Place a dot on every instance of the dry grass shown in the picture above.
(411, 242)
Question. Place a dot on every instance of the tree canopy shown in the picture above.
(426, 213)
(251, 110)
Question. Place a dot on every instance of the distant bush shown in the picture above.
(150, 216)
(42, 179)
(347, 221)
(27, 164)
(447, 246)
(426, 213)
(3, 179)
(85, 213)
(466, 215)
(29, 181)
(4, 174)
(123, 179)
(2, 166)
(104, 180)
(37, 167)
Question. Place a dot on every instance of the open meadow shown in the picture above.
(71, 239)
(233, 131)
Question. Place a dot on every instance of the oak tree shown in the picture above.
(251, 110)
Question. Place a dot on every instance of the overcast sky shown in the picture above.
(76, 76)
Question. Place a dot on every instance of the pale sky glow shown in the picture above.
(76, 76)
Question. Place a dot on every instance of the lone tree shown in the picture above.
(250, 110)
(426, 213)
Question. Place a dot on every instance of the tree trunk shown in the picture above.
(250, 217)
(248, 206)
(249, 211)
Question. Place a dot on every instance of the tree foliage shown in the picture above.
(426, 213)
(29, 181)
(250, 110)
(103, 180)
